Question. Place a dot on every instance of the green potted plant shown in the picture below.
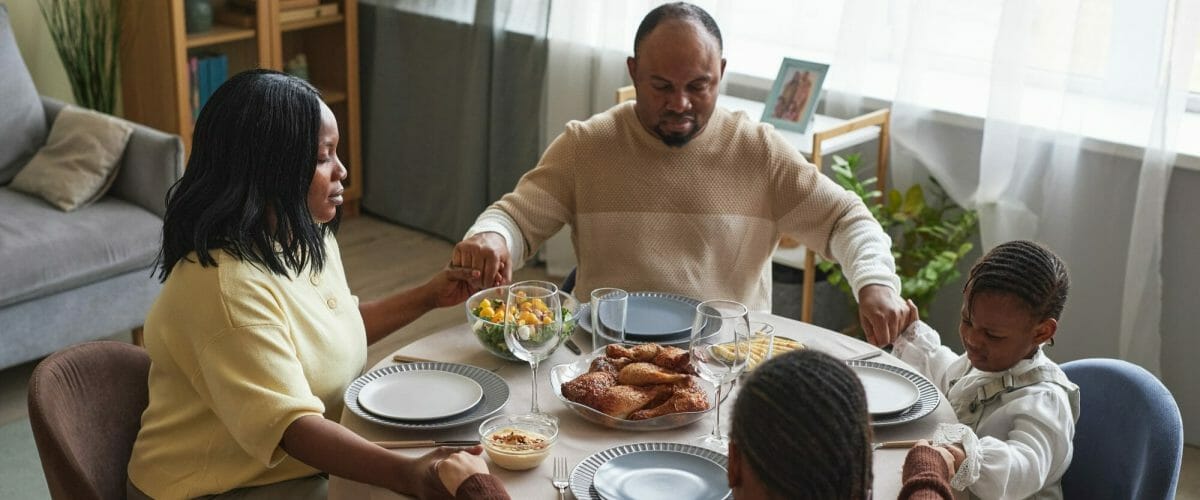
(930, 234)
(87, 34)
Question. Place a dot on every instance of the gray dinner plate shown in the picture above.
(657, 315)
(651, 471)
(652, 317)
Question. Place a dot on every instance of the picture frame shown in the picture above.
(794, 96)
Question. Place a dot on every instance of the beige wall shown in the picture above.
(37, 48)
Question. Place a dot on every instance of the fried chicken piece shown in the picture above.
(648, 374)
(588, 387)
(641, 352)
(621, 400)
(673, 358)
(604, 363)
(682, 400)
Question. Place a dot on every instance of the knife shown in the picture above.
(394, 445)
(572, 347)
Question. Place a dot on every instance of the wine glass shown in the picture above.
(532, 325)
(719, 348)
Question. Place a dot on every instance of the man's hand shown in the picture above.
(882, 313)
(487, 253)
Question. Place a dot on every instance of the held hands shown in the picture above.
(434, 467)
(450, 286)
(951, 454)
(487, 253)
(456, 468)
(883, 314)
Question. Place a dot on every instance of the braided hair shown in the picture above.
(1026, 270)
(800, 422)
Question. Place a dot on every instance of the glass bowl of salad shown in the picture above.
(485, 316)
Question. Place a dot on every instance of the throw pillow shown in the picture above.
(22, 119)
(79, 161)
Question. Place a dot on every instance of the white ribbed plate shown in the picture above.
(928, 396)
(495, 395)
(584, 474)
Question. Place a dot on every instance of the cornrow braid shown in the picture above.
(1025, 269)
(800, 422)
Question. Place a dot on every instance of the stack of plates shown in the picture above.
(894, 395)
(651, 317)
(426, 395)
(651, 470)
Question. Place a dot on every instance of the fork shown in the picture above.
(561, 480)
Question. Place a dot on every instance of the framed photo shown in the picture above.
(794, 96)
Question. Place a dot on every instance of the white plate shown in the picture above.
(495, 396)
(420, 395)
(887, 392)
(583, 487)
(660, 474)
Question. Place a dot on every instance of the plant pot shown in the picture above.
(198, 15)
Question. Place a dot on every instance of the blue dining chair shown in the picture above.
(1129, 438)
(568, 284)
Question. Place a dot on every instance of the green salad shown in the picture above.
(489, 326)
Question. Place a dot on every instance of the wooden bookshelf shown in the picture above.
(156, 89)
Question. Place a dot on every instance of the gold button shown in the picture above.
(332, 303)
(314, 279)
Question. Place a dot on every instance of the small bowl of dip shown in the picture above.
(518, 442)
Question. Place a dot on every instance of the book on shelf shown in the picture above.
(206, 73)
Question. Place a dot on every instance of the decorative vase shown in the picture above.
(198, 15)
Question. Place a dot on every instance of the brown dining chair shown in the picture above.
(85, 407)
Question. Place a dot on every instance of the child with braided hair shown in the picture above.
(800, 431)
(1016, 408)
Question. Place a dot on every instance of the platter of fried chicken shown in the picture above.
(641, 387)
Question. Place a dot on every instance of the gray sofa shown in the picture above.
(67, 277)
(83, 275)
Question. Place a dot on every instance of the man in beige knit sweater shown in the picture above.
(670, 193)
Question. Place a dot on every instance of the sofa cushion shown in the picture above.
(79, 161)
(22, 120)
(44, 250)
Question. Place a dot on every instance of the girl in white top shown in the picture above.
(1016, 408)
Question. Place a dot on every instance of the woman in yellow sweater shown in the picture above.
(255, 334)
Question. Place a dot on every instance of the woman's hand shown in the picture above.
(426, 469)
(456, 468)
(450, 286)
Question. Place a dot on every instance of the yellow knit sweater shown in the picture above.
(700, 220)
(238, 354)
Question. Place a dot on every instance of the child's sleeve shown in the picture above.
(1037, 449)
(921, 346)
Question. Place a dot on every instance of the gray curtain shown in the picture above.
(452, 105)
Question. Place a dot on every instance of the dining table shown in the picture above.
(579, 438)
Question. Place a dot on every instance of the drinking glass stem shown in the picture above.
(533, 366)
(716, 433)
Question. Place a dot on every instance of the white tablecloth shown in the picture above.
(579, 438)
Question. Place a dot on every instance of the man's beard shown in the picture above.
(676, 140)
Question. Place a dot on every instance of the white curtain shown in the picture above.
(1059, 86)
